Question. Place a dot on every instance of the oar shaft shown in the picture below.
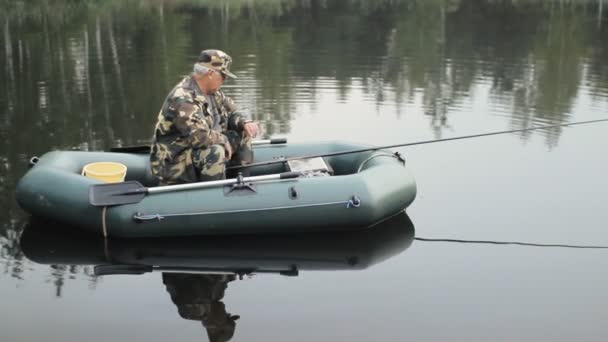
(102, 270)
(270, 141)
(210, 184)
(201, 270)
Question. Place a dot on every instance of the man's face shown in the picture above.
(216, 80)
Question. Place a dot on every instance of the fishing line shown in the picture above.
(528, 244)
(282, 160)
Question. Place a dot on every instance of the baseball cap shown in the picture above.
(217, 60)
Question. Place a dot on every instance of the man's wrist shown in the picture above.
(244, 122)
(224, 139)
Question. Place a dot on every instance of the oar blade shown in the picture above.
(101, 195)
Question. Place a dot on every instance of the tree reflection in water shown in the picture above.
(92, 74)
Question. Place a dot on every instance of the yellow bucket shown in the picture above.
(108, 172)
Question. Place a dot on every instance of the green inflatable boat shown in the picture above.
(279, 194)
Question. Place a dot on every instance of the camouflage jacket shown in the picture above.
(187, 120)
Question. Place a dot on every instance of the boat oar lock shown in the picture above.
(108, 194)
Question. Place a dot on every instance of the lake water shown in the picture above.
(90, 75)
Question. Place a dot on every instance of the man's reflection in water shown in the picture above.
(198, 297)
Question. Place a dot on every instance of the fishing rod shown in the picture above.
(413, 144)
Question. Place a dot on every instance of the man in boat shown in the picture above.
(199, 130)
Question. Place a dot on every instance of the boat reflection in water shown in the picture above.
(196, 271)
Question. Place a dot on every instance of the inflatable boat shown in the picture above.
(280, 193)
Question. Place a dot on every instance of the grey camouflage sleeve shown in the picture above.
(194, 128)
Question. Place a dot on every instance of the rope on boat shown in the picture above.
(392, 155)
(353, 202)
(106, 251)
(104, 212)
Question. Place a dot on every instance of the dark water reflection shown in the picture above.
(196, 271)
(89, 75)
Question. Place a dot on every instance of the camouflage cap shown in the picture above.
(216, 60)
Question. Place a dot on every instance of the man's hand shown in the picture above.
(250, 129)
(228, 149)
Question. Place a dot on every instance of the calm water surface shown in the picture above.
(89, 75)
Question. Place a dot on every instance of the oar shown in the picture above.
(146, 148)
(101, 270)
(101, 195)
(270, 141)
(283, 160)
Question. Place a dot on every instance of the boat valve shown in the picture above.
(33, 161)
(240, 185)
